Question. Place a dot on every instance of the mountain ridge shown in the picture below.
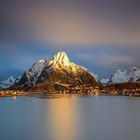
(7, 83)
(123, 76)
(53, 73)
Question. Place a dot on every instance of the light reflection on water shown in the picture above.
(62, 119)
(74, 118)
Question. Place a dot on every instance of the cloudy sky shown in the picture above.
(102, 35)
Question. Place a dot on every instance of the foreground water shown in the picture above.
(75, 118)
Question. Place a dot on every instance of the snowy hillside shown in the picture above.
(124, 76)
(7, 83)
(58, 69)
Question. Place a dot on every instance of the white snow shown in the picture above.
(128, 75)
(34, 72)
(104, 81)
(59, 58)
(84, 68)
(95, 76)
(7, 83)
(41, 61)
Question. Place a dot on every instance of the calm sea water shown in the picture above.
(75, 118)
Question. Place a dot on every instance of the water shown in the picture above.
(75, 118)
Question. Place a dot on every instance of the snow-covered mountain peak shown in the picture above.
(9, 80)
(35, 71)
(41, 61)
(134, 69)
(60, 58)
(104, 81)
(129, 75)
(7, 83)
(36, 67)
(57, 70)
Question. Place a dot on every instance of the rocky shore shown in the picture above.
(126, 89)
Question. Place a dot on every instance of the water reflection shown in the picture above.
(63, 119)
(14, 97)
(75, 118)
(52, 96)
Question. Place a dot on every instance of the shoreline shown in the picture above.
(15, 93)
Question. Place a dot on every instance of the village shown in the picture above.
(62, 89)
(124, 91)
(8, 93)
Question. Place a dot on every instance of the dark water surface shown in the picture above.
(75, 118)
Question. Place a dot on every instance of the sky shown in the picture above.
(102, 35)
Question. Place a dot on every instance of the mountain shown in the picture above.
(30, 76)
(125, 76)
(104, 81)
(7, 83)
(55, 74)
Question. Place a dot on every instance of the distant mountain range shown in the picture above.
(59, 72)
(123, 76)
(7, 83)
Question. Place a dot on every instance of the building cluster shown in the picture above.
(75, 89)
(124, 92)
(4, 93)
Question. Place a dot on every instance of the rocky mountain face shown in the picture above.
(125, 76)
(7, 83)
(55, 74)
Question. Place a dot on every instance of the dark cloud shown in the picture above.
(72, 22)
(92, 31)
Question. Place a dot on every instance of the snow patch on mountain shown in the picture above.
(59, 58)
(104, 81)
(93, 74)
(34, 72)
(7, 83)
(124, 76)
